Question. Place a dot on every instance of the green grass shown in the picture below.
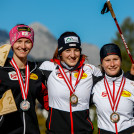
(95, 126)
(42, 123)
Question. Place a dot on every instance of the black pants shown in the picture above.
(126, 131)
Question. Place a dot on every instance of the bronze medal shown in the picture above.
(25, 105)
(73, 99)
(114, 117)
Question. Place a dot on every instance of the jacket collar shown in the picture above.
(32, 65)
(116, 78)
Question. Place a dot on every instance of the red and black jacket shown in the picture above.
(13, 123)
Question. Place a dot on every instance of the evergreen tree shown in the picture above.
(127, 29)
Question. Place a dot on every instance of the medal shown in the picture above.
(114, 100)
(24, 105)
(114, 117)
(73, 99)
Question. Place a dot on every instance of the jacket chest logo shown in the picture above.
(60, 76)
(124, 94)
(75, 75)
(33, 76)
(104, 94)
(13, 75)
(84, 75)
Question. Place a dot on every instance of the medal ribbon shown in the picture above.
(72, 90)
(114, 101)
(24, 87)
(69, 84)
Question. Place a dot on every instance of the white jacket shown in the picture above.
(59, 102)
(125, 107)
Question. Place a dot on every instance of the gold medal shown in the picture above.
(73, 99)
(25, 105)
(114, 117)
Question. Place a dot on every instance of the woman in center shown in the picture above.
(69, 83)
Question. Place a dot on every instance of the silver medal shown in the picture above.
(25, 105)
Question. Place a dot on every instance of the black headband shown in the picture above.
(109, 49)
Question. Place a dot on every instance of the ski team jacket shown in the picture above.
(20, 122)
(124, 109)
(63, 117)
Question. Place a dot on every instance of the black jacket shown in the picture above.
(12, 123)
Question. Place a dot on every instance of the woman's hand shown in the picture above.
(132, 69)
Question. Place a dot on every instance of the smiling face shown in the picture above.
(22, 47)
(111, 65)
(70, 56)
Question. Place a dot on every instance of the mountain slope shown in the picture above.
(45, 44)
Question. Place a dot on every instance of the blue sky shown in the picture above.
(58, 16)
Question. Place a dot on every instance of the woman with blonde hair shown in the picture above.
(113, 95)
(25, 81)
